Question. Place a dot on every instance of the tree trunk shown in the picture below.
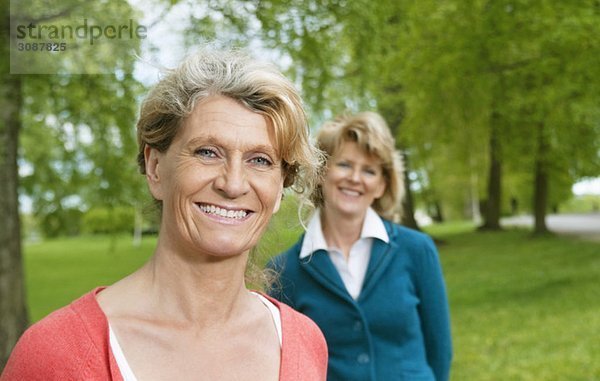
(408, 209)
(394, 114)
(13, 314)
(475, 212)
(436, 211)
(491, 216)
(540, 193)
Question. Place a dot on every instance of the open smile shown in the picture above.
(350, 192)
(219, 211)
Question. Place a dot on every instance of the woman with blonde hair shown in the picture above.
(375, 288)
(220, 137)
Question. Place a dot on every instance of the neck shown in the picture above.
(341, 231)
(194, 288)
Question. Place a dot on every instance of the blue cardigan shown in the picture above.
(397, 329)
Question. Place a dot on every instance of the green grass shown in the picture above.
(522, 308)
(58, 271)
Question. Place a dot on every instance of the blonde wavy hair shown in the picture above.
(370, 131)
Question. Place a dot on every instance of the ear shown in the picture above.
(279, 198)
(152, 158)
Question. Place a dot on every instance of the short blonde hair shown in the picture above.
(257, 85)
(370, 131)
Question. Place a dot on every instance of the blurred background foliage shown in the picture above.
(495, 104)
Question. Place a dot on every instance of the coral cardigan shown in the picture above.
(399, 326)
(72, 344)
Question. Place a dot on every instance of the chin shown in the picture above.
(347, 208)
(224, 248)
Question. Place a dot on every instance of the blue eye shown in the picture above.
(262, 161)
(343, 164)
(206, 152)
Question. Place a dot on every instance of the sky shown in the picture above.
(591, 186)
(164, 46)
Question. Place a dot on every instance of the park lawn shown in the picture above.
(522, 308)
(60, 270)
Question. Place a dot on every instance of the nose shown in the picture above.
(355, 175)
(232, 182)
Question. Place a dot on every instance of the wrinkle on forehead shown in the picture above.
(239, 118)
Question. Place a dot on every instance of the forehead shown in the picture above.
(222, 119)
(351, 151)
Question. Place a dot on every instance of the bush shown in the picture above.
(60, 222)
(109, 220)
(582, 204)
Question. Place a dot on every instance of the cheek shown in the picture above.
(335, 174)
(332, 177)
(328, 186)
(269, 188)
(188, 176)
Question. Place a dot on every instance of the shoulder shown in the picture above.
(303, 343)
(57, 346)
(300, 324)
(297, 327)
(417, 247)
(409, 238)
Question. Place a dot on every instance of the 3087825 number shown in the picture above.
(42, 46)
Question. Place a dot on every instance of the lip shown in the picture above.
(355, 193)
(224, 214)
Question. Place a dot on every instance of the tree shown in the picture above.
(453, 98)
(89, 159)
(86, 120)
(26, 114)
(553, 88)
(13, 314)
(509, 74)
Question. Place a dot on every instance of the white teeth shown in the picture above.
(350, 192)
(211, 209)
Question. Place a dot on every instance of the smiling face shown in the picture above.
(353, 181)
(219, 182)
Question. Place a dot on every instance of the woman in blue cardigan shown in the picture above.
(374, 288)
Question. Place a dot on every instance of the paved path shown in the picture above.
(584, 225)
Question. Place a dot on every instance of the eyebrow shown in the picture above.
(210, 139)
(375, 165)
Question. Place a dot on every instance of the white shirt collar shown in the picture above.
(314, 240)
